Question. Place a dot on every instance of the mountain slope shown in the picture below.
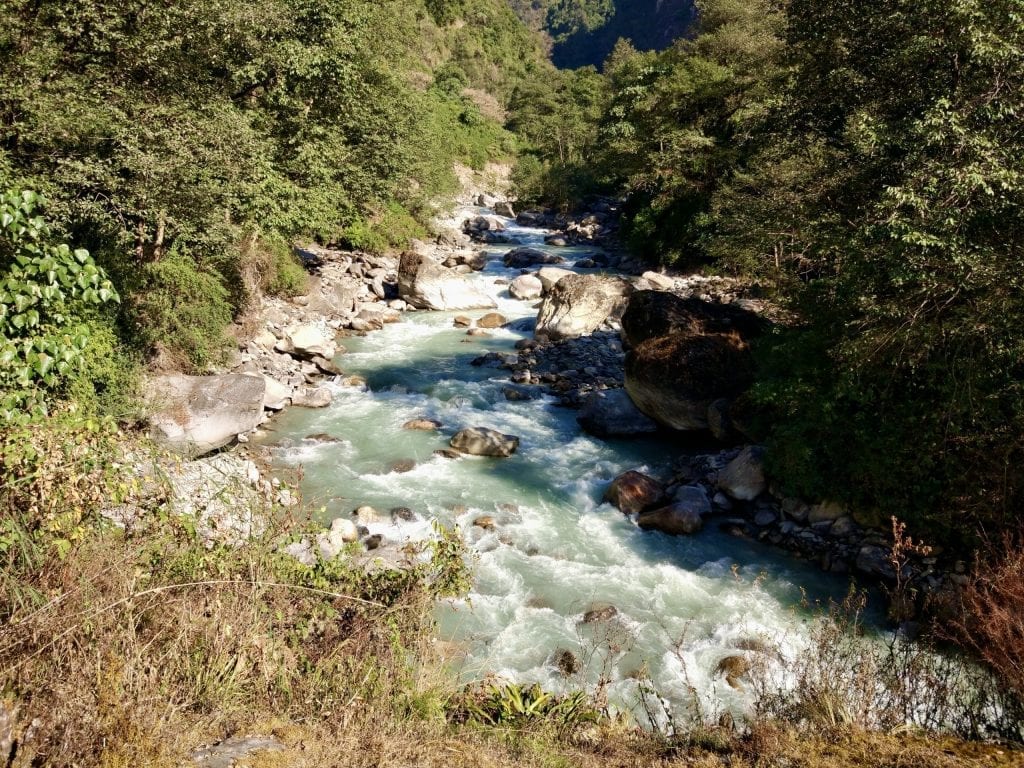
(584, 32)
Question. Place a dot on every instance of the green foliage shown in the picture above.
(510, 705)
(901, 255)
(586, 31)
(181, 133)
(181, 309)
(45, 292)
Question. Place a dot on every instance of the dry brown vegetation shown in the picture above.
(133, 648)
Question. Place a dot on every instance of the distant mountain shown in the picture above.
(585, 31)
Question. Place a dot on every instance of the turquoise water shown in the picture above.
(556, 551)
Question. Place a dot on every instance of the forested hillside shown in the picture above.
(186, 147)
(864, 165)
(583, 32)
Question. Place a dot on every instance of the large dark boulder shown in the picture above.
(519, 258)
(651, 314)
(610, 413)
(577, 305)
(674, 379)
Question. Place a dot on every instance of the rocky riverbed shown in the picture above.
(523, 391)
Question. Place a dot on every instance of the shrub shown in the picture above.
(992, 625)
(183, 310)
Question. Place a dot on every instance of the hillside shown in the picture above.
(584, 32)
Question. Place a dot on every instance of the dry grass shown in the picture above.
(135, 649)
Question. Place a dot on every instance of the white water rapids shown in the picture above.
(684, 604)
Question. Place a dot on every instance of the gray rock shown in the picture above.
(743, 478)
(277, 396)
(227, 753)
(194, 415)
(610, 413)
(579, 304)
(659, 281)
(526, 287)
(312, 397)
(875, 561)
(307, 341)
(425, 284)
(549, 276)
(481, 441)
(694, 498)
(504, 208)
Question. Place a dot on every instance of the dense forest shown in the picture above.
(863, 165)
(186, 147)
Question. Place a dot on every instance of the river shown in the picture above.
(556, 551)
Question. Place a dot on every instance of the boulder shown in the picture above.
(651, 314)
(519, 258)
(331, 542)
(526, 287)
(659, 281)
(480, 441)
(743, 477)
(600, 613)
(491, 320)
(425, 284)
(633, 492)
(826, 511)
(479, 224)
(531, 218)
(312, 397)
(610, 413)
(194, 415)
(675, 520)
(579, 304)
(276, 395)
(558, 241)
(307, 341)
(504, 208)
(548, 276)
(876, 561)
(674, 379)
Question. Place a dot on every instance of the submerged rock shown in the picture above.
(481, 441)
(422, 425)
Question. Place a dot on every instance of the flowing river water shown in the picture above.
(556, 551)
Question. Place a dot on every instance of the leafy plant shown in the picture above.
(45, 290)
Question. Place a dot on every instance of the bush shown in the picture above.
(182, 310)
(992, 625)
